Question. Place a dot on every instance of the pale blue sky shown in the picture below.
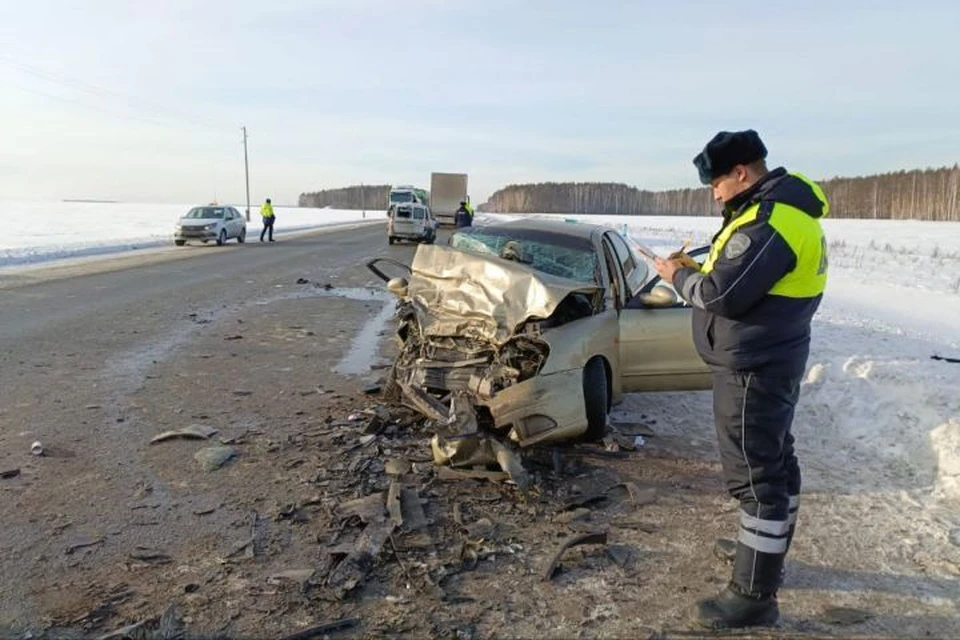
(143, 101)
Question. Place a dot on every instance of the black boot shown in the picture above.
(732, 609)
(725, 549)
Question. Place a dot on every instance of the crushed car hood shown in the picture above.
(456, 293)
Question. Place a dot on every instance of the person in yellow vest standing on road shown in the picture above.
(266, 212)
(753, 301)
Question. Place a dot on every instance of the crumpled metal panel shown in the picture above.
(461, 294)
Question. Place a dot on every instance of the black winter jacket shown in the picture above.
(737, 323)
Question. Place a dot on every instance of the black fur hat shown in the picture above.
(726, 150)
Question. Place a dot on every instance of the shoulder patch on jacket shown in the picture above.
(736, 246)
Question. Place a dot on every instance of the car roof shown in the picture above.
(573, 229)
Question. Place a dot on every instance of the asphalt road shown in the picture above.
(97, 357)
(45, 304)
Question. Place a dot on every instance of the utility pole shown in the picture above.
(246, 170)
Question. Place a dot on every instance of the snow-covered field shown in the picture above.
(43, 231)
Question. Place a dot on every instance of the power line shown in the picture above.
(100, 109)
(101, 92)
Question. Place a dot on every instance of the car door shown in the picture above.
(419, 219)
(656, 343)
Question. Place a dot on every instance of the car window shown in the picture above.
(207, 212)
(418, 213)
(635, 271)
(615, 271)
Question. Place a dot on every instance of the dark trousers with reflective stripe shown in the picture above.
(753, 414)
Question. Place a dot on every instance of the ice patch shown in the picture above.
(945, 441)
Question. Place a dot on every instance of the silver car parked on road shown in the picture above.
(212, 222)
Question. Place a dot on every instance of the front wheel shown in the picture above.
(390, 240)
(595, 399)
(222, 237)
(179, 243)
(243, 236)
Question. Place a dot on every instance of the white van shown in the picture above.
(411, 221)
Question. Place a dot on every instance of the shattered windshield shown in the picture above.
(558, 255)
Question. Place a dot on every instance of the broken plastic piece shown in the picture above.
(573, 541)
(194, 431)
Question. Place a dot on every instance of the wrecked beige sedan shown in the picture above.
(526, 332)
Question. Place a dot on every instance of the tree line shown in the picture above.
(921, 194)
(368, 196)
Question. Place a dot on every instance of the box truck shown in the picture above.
(447, 191)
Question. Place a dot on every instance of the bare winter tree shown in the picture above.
(371, 197)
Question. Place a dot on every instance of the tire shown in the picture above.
(179, 243)
(595, 399)
(243, 236)
(222, 238)
(390, 240)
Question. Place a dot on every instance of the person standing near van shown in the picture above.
(463, 217)
(266, 213)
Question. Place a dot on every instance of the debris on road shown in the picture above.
(233, 337)
(300, 576)
(397, 466)
(323, 629)
(845, 616)
(212, 458)
(193, 431)
(945, 359)
(580, 513)
(372, 510)
(83, 543)
(9, 473)
(639, 497)
(36, 448)
(446, 473)
(573, 541)
(150, 556)
(621, 555)
(633, 429)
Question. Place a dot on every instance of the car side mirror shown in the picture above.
(658, 297)
(397, 286)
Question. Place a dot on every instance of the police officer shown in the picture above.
(753, 300)
(463, 217)
(268, 217)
